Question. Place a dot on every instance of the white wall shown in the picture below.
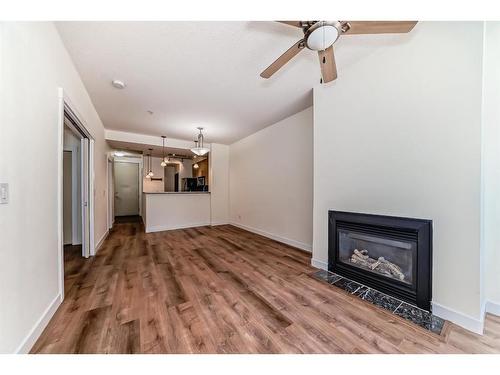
(399, 133)
(34, 64)
(270, 179)
(219, 183)
(491, 165)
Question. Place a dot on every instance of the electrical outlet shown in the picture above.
(4, 193)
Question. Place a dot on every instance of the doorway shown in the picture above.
(126, 188)
(76, 198)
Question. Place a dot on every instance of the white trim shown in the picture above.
(39, 326)
(101, 240)
(91, 181)
(110, 194)
(287, 241)
(319, 264)
(461, 319)
(493, 308)
(214, 224)
(60, 156)
(161, 228)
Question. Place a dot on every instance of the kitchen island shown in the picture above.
(175, 210)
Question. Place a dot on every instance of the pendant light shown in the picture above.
(163, 161)
(147, 162)
(199, 148)
(147, 166)
(150, 172)
(196, 166)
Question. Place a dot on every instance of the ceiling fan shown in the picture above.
(321, 35)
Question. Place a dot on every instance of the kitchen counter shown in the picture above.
(176, 192)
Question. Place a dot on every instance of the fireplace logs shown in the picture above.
(381, 265)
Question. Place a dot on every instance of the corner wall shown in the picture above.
(399, 133)
(270, 181)
(34, 64)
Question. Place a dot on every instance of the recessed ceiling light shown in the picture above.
(118, 84)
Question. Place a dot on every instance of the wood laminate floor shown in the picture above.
(225, 290)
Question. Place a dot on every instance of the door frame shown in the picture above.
(111, 191)
(66, 107)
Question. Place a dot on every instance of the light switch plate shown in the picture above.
(4, 193)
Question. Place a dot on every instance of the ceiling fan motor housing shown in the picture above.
(322, 34)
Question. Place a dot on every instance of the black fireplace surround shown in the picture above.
(387, 253)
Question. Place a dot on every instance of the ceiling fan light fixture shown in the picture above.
(200, 151)
(322, 35)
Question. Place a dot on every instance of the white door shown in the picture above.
(85, 198)
(126, 189)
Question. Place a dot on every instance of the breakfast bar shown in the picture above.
(175, 210)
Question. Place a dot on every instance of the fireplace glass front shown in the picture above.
(391, 258)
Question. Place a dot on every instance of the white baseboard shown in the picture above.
(461, 319)
(493, 308)
(287, 241)
(319, 264)
(213, 224)
(100, 242)
(161, 228)
(39, 326)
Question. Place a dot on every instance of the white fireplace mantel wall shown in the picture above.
(400, 133)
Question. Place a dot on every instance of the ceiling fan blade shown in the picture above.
(327, 63)
(380, 27)
(283, 59)
(292, 23)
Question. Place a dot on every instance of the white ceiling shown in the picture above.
(200, 74)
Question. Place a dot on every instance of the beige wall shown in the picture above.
(34, 64)
(399, 133)
(270, 179)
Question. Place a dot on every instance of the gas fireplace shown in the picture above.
(390, 254)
